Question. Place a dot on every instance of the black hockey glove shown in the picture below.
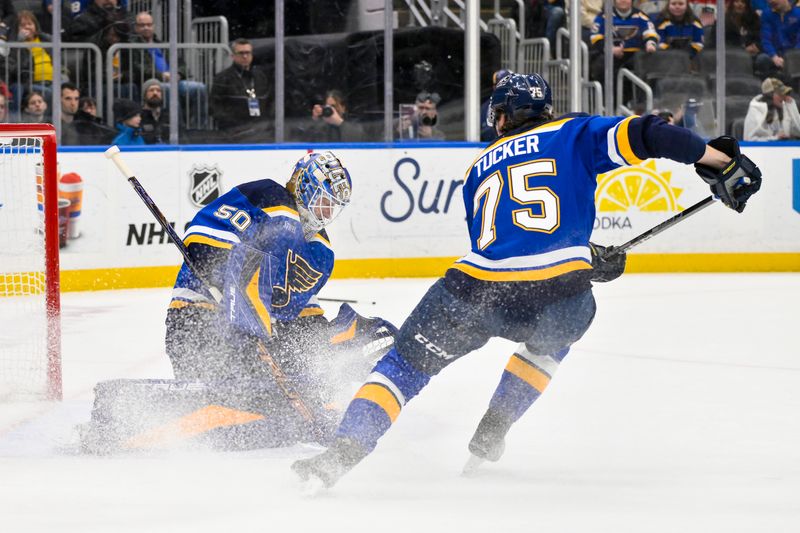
(735, 183)
(607, 266)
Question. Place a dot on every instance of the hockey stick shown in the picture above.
(278, 374)
(611, 251)
(344, 301)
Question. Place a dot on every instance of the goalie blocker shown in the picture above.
(242, 413)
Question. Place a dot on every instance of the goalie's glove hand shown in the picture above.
(606, 267)
(735, 183)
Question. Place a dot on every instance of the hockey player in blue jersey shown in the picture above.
(263, 246)
(529, 201)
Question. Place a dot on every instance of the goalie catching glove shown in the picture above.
(606, 264)
(735, 183)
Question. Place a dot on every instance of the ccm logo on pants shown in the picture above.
(435, 350)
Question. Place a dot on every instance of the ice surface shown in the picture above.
(678, 411)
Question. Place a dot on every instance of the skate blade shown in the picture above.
(473, 466)
(311, 487)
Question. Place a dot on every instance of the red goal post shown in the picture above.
(30, 307)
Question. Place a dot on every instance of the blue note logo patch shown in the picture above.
(206, 184)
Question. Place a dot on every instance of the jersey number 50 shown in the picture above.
(546, 220)
(238, 217)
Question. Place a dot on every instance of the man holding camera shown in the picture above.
(421, 124)
(331, 123)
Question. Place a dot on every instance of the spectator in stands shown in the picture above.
(69, 10)
(127, 118)
(155, 119)
(773, 114)
(34, 107)
(30, 69)
(590, 10)
(679, 28)
(742, 27)
(543, 18)
(8, 17)
(331, 123)
(86, 127)
(154, 64)
(70, 98)
(633, 32)
(780, 29)
(421, 125)
(103, 23)
(3, 109)
(41, 69)
(88, 105)
(240, 100)
(488, 133)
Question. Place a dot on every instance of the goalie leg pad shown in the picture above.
(131, 415)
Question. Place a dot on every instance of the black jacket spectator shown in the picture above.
(155, 130)
(742, 27)
(103, 23)
(8, 17)
(241, 94)
(87, 129)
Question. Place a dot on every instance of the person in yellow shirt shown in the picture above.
(34, 66)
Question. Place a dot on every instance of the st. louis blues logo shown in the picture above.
(206, 184)
(299, 277)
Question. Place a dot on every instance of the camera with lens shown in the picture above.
(4, 31)
(426, 120)
(327, 111)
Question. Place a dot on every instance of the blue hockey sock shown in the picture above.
(377, 404)
(524, 379)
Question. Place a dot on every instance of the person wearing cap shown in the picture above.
(773, 114)
(155, 119)
(127, 119)
(488, 133)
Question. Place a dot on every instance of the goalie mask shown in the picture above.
(322, 187)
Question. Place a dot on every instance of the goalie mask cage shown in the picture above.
(30, 330)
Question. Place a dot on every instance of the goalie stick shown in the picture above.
(277, 372)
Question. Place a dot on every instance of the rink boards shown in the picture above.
(407, 213)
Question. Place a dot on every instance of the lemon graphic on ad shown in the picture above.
(640, 188)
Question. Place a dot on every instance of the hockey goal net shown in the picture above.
(30, 336)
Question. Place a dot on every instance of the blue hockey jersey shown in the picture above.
(677, 35)
(529, 196)
(631, 31)
(249, 244)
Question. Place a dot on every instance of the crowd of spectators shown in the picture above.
(238, 103)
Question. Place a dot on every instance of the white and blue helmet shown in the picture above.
(322, 188)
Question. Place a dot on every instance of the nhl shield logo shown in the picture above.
(206, 185)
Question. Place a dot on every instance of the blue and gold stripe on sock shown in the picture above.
(380, 395)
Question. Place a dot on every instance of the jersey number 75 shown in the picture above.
(546, 220)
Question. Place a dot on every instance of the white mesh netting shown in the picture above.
(23, 312)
